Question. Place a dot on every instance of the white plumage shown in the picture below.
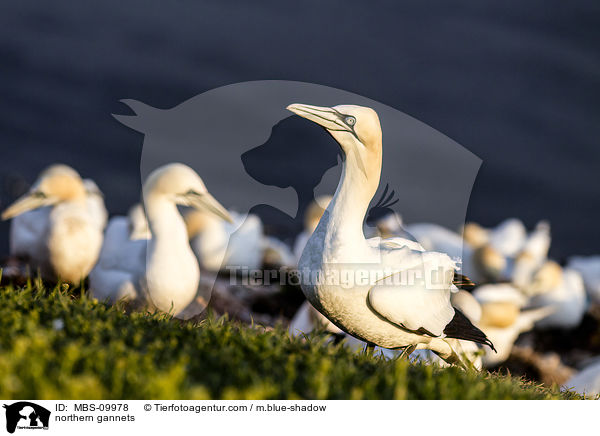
(388, 292)
(508, 237)
(589, 268)
(481, 263)
(503, 319)
(225, 246)
(565, 292)
(161, 271)
(58, 224)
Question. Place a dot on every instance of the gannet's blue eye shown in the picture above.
(350, 121)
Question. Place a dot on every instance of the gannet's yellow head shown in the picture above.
(489, 262)
(55, 184)
(548, 277)
(183, 186)
(475, 235)
(355, 128)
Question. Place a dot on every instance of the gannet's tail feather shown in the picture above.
(461, 328)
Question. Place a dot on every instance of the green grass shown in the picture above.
(54, 345)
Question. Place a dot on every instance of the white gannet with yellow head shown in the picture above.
(397, 295)
(503, 318)
(220, 245)
(58, 224)
(162, 271)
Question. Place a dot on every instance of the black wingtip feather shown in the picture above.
(463, 282)
(461, 328)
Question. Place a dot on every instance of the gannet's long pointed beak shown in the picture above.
(26, 203)
(332, 120)
(323, 116)
(207, 202)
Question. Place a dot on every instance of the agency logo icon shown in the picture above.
(26, 415)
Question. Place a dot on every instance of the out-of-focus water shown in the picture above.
(517, 84)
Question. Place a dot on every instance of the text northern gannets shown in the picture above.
(411, 315)
(58, 224)
(161, 271)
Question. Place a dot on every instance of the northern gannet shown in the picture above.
(475, 235)
(508, 237)
(589, 268)
(482, 263)
(138, 224)
(561, 288)
(469, 351)
(531, 257)
(503, 319)
(234, 246)
(58, 224)
(407, 314)
(221, 245)
(162, 271)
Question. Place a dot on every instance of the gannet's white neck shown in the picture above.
(165, 222)
(349, 205)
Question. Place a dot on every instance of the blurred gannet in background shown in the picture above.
(236, 245)
(220, 245)
(95, 203)
(482, 263)
(277, 253)
(161, 271)
(58, 224)
(508, 237)
(531, 257)
(503, 320)
(562, 289)
(589, 268)
(500, 293)
(312, 216)
(138, 224)
(475, 235)
(587, 381)
(406, 314)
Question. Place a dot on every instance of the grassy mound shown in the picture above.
(54, 345)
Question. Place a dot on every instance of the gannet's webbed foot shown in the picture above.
(407, 351)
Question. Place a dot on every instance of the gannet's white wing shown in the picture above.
(28, 233)
(409, 299)
(95, 203)
(437, 238)
(411, 307)
(120, 265)
(394, 243)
